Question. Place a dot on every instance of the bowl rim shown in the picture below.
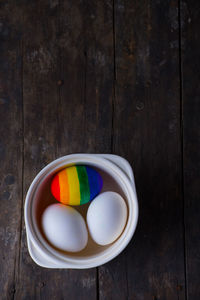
(112, 251)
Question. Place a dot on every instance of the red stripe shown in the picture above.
(55, 187)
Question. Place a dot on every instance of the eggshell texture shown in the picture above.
(64, 228)
(76, 185)
(106, 217)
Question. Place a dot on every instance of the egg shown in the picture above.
(64, 228)
(76, 185)
(106, 217)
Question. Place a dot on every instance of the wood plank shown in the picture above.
(85, 115)
(147, 133)
(86, 51)
(190, 21)
(40, 74)
(10, 145)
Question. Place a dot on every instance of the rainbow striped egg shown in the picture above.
(76, 185)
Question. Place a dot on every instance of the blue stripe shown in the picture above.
(95, 182)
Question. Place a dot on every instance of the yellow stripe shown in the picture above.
(64, 187)
(74, 188)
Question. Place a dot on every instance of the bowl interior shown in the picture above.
(43, 198)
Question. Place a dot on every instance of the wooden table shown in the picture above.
(104, 77)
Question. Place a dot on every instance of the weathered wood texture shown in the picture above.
(147, 133)
(103, 77)
(85, 98)
(190, 37)
(40, 94)
(10, 146)
(43, 125)
(86, 53)
(67, 63)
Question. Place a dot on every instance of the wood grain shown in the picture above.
(86, 53)
(40, 94)
(41, 72)
(85, 107)
(10, 146)
(67, 89)
(147, 133)
(112, 76)
(190, 69)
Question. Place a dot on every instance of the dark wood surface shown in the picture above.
(109, 76)
(190, 69)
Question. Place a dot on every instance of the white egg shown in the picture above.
(64, 228)
(106, 217)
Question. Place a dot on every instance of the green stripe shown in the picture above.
(84, 185)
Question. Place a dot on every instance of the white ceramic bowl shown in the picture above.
(117, 176)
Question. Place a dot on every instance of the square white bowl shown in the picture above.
(45, 255)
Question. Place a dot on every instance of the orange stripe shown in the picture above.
(64, 187)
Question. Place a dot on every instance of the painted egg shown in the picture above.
(76, 185)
